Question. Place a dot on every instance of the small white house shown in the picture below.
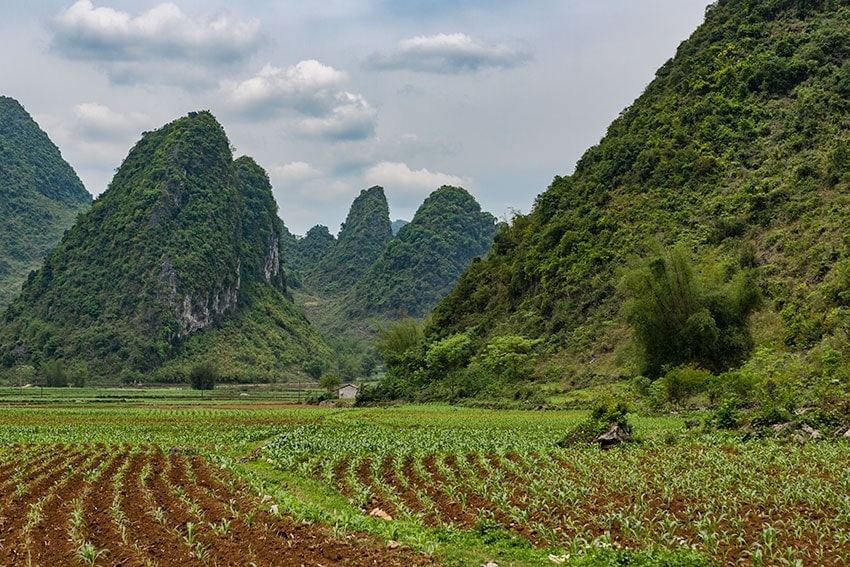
(347, 392)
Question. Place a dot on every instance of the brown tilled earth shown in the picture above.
(139, 506)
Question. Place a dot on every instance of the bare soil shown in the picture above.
(182, 512)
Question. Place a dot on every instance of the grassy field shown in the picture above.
(246, 393)
(410, 485)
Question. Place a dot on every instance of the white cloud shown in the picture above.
(309, 87)
(448, 53)
(129, 47)
(397, 178)
(97, 121)
(293, 172)
(353, 118)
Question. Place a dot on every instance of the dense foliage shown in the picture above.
(681, 316)
(184, 239)
(302, 254)
(347, 285)
(738, 151)
(362, 237)
(40, 196)
(422, 263)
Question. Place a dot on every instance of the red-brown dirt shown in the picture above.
(141, 506)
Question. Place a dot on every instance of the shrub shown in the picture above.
(726, 416)
(605, 413)
(683, 383)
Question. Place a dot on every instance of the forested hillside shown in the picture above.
(178, 257)
(708, 227)
(368, 277)
(40, 196)
(423, 261)
(364, 235)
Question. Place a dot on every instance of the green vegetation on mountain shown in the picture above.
(679, 318)
(422, 263)
(366, 277)
(362, 238)
(737, 156)
(302, 255)
(40, 196)
(177, 263)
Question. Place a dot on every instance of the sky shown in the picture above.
(335, 96)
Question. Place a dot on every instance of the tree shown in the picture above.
(509, 356)
(447, 359)
(203, 376)
(314, 368)
(55, 374)
(679, 315)
(330, 382)
(397, 338)
(24, 374)
(449, 354)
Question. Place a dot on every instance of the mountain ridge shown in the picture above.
(177, 244)
(40, 196)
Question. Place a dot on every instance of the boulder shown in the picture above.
(614, 436)
(811, 431)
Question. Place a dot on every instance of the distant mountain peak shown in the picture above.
(362, 237)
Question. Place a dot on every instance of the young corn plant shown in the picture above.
(88, 553)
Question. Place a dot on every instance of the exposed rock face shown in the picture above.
(271, 267)
(176, 244)
(195, 313)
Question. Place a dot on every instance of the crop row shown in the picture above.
(729, 500)
(92, 504)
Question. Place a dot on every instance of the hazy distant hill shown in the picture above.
(177, 263)
(422, 263)
(40, 196)
(397, 225)
(362, 238)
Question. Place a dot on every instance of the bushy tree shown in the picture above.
(203, 376)
(330, 382)
(55, 374)
(679, 315)
(509, 356)
(314, 368)
(395, 339)
(449, 354)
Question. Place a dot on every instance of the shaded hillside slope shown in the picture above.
(40, 196)
(422, 263)
(182, 243)
(362, 238)
(739, 151)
